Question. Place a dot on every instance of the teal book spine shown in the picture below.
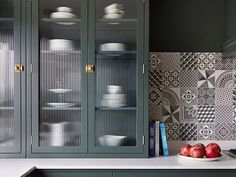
(164, 140)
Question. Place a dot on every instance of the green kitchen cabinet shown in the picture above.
(12, 105)
(174, 173)
(88, 78)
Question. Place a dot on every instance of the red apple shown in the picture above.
(185, 150)
(201, 146)
(215, 145)
(212, 150)
(197, 152)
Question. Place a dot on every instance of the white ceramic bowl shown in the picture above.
(115, 16)
(61, 44)
(113, 6)
(114, 89)
(63, 15)
(112, 140)
(64, 9)
(115, 47)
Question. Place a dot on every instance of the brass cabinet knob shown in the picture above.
(90, 68)
(19, 68)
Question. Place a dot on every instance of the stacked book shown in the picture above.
(157, 139)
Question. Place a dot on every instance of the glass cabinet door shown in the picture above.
(116, 115)
(59, 84)
(10, 87)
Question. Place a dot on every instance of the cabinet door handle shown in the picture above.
(19, 68)
(90, 68)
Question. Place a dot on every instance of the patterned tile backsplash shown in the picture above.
(194, 94)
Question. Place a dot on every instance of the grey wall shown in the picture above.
(186, 25)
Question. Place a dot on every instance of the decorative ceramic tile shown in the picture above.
(234, 95)
(170, 114)
(206, 61)
(234, 115)
(206, 79)
(155, 78)
(154, 61)
(188, 132)
(206, 113)
(188, 96)
(189, 61)
(155, 96)
(171, 78)
(224, 114)
(224, 131)
(224, 79)
(206, 131)
(224, 64)
(206, 96)
(188, 78)
(189, 113)
(172, 131)
(170, 61)
(170, 96)
(224, 96)
(155, 112)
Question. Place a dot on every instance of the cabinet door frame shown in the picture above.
(140, 150)
(18, 150)
(33, 150)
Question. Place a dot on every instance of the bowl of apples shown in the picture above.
(199, 152)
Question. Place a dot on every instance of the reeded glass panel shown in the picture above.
(60, 73)
(116, 72)
(7, 133)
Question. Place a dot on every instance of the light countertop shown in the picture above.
(18, 167)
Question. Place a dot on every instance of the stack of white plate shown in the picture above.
(64, 13)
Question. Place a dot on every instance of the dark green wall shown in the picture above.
(186, 25)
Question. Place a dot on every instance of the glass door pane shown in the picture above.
(60, 63)
(116, 63)
(9, 80)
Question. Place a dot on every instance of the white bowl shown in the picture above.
(115, 47)
(61, 44)
(113, 6)
(63, 15)
(64, 9)
(112, 140)
(114, 89)
(115, 16)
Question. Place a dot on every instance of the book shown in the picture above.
(152, 139)
(157, 138)
(164, 140)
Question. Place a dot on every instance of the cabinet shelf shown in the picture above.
(116, 109)
(120, 55)
(61, 108)
(52, 20)
(60, 52)
(6, 19)
(6, 108)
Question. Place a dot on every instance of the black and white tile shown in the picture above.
(206, 113)
(171, 78)
(172, 131)
(224, 114)
(189, 78)
(224, 64)
(224, 79)
(188, 96)
(169, 60)
(155, 78)
(206, 61)
(170, 96)
(206, 131)
(189, 113)
(170, 114)
(206, 78)
(155, 96)
(224, 96)
(154, 61)
(224, 131)
(188, 132)
(189, 61)
(206, 96)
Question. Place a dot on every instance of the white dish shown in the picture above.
(115, 47)
(64, 9)
(113, 6)
(114, 100)
(61, 44)
(114, 89)
(115, 16)
(61, 104)
(60, 90)
(199, 159)
(62, 15)
(112, 140)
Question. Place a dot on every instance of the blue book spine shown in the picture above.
(164, 140)
(152, 139)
